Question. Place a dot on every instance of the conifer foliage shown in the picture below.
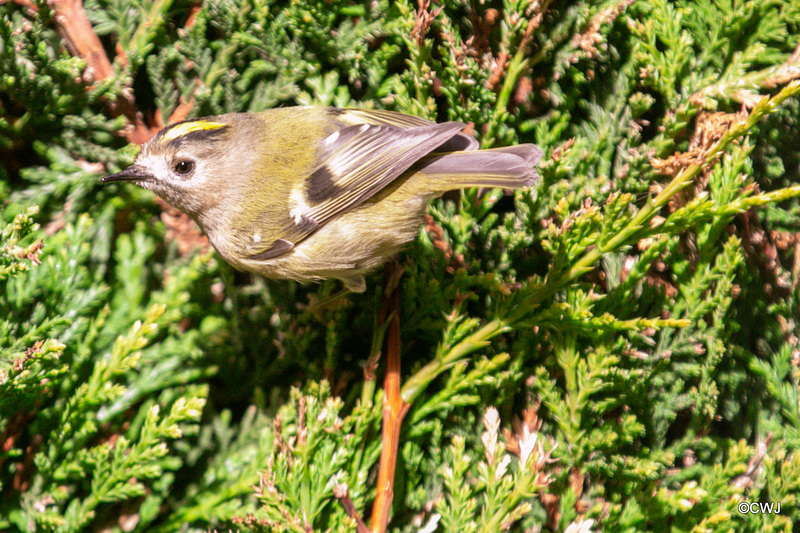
(615, 350)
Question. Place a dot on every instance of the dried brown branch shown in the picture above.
(762, 253)
(499, 67)
(423, 18)
(340, 491)
(754, 466)
(436, 235)
(81, 39)
(709, 129)
(590, 38)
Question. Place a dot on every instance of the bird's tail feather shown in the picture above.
(510, 167)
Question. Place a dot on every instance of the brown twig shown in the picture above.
(341, 492)
(590, 37)
(81, 39)
(423, 18)
(754, 465)
(761, 252)
(394, 408)
(82, 42)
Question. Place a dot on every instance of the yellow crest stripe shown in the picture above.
(184, 128)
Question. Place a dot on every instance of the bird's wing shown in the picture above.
(353, 164)
(381, 117)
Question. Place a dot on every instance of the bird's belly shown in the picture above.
(353, 243)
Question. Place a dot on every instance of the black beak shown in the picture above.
(132, 173)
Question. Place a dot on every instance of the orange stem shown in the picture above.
(394, 409)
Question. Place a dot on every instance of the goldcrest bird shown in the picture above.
(309, 193)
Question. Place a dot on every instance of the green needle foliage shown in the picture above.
(615, 350)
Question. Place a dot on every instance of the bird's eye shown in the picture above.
(184, 168)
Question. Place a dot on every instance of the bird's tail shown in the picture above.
(510, 167)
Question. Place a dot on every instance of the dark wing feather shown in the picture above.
(276, 249)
